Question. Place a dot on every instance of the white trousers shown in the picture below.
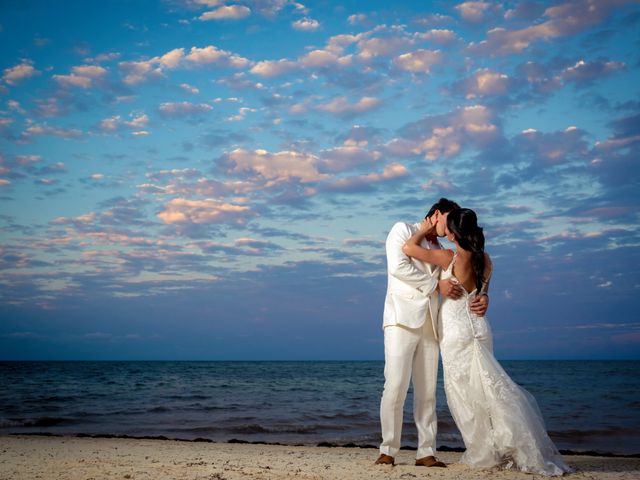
(409, 354)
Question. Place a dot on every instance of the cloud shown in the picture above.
(371, 48)
(473, 12)
(274, 168)
(113, 124)
(241, 115)
(191, 182)
(271, 8)
(316, 59)
(357, 18)
(347, 158)
(445, 136)
(110, 124)
(154, 68)
(433, 19)
(49, 107)
(360, 136)
(103, 57)
(182, 109)
(206, 3)
(241, 246)
(213, 55)
(82, 76)
(614, 162)
(43, 130)
(555, 147)
(306, 25)
(53, 168)
(585, 73)
(564, 19)
(90, 71)
(439, 36)
(525, 10)
(484, 83)
(190, 89)
(18, 73)
(171, 59)
(140, 120)
(361, 183)
(419, 61)
(324, 59)
(227, 12)
(374, 46)
(340, 106)
(140, 71)
(273, 68)
(72, 81)
(184, 211)
(539, 77)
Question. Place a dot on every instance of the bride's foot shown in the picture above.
(430, 461)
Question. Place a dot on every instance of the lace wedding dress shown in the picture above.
(500, 422)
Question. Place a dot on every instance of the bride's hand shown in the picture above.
(425, 226)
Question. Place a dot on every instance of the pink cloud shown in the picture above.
(227, 12)
(275, 168)
(18, 73)
(184, 211)
(564, 19)
(392, 171)
(420, 61)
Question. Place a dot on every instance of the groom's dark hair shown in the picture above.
(444, 205)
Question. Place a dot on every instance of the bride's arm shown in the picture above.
(439, 257)
(480, 303)
(488, 270)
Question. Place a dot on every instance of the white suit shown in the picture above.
(410, 343)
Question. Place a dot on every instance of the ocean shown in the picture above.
(587, 405)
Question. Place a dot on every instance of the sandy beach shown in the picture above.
(43, 457)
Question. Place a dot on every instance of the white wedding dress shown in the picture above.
(500, 422)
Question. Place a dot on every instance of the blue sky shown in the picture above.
(203, 179)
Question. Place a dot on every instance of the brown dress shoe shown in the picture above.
(429, 461)
(385, 460)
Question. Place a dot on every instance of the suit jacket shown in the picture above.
(411, 284)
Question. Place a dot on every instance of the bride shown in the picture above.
(500, 422)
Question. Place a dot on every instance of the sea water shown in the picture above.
(587, 405)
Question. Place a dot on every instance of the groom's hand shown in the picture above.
(479, 305)
(450, 289)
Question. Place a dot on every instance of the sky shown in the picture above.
(215, 180)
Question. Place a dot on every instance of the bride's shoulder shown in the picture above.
(449, 256)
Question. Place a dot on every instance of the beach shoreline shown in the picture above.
(324, 444)
(96, 457)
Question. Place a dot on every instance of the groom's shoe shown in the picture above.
(430, 461)
(385, 460)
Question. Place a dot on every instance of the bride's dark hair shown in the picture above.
(463, 223)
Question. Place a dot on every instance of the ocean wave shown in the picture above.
(40, 422)
(362, 415)
(586, 434)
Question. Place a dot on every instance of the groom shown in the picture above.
(411, 337)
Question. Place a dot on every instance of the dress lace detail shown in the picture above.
(500, 422)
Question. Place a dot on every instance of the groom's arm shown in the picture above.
(401, 267)
(480, 304)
